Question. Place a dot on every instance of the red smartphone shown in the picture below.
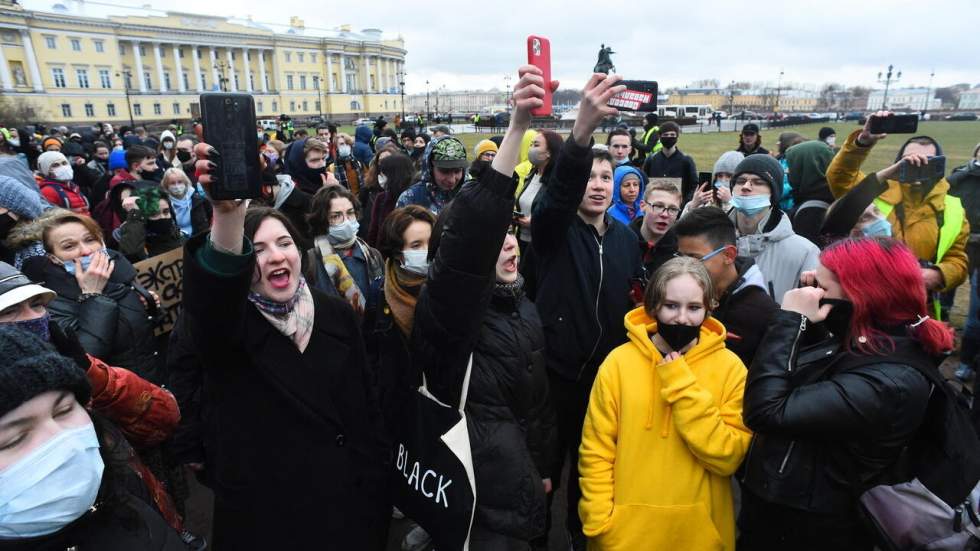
(539, 55)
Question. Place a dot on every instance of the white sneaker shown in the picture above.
(416, 540)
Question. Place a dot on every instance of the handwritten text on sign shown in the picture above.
(164, 275)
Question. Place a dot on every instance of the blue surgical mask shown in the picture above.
(85, 260)
(721, 182)
(751, 205)
(623, 162)
(51, 487)
(416, 261)
(343, 233)
(881, 227)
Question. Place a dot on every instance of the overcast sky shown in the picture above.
(467, 45)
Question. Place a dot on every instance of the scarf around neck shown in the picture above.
(402, 292)
(339, 274)
(293, 318)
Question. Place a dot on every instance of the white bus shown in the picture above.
(696, 111)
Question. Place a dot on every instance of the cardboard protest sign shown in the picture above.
(164, 275)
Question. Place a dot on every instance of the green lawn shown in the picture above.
(957, 138)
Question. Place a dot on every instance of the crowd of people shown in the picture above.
(669, 340)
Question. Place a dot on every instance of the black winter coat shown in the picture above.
(964, 182)
(390, 362)
(186, 380)
(678, 165)
(583, 279)
(116, 326)
(745, 310)
(293, 440)
(811, 409)
(509, 417)
(655, 256)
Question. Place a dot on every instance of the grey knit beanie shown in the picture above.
(29, 366)
(728, 162)
(18, 198)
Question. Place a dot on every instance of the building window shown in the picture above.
(137, 110)
(82, 76)
(180, 52)
(317, 106)
(157, 110)
(204, 81)
(166, 81)
(58, 75)
(199, 53)
(237, 85)
(267, 81)
(176, 108)
(76, 44)
(187, 85)
(258, 105)
(288, 56)
(147, 80)
(289, 82)
(110, 110)
(89, 110)
(65, 110)
(99, 46)
(104, 78)
(233, 55)
(312, 58)
(300, 56)
(142, 50)
(305, 105)
(302, 82)
(275, 106)
(49, 40)
(163, 53)
(292, 106)
(371, 82)
(333, 80)
(251, 81)
(122, 49)
(355, 105)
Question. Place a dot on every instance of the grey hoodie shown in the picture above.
(780, 254)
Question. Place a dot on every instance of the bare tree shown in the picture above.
(829, 94)
(17, 112)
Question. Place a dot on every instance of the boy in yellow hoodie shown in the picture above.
(664, 432)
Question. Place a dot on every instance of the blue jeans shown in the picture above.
(971, 332)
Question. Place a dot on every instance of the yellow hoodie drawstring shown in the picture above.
(666, 428)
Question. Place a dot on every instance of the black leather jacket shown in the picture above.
(816, 409)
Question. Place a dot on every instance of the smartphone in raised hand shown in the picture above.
(931, 171)
(539, 55)
(894, 124)
(229, 127)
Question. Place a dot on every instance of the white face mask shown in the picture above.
(343, 150)
(383, 181)
(51, 487)
(63, 173)
(831, 141)
(168, 145)
(343, 233)
(178, 190)
(416, 261)
(14, 143)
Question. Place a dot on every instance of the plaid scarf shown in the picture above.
(293, 318)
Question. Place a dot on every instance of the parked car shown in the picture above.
(364, 120)
(962, 117)
(853, 116)
(746, 116)
(267, 124)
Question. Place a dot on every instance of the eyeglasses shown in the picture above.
(754, 182)
(704, 258)
(339, 217)
(657, 208)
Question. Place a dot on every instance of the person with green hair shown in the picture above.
(149, 229)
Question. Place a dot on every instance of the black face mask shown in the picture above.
(677, 336)
(183, 156)
(6, 223)
(838, 320)
(669, 141)
(159, 228)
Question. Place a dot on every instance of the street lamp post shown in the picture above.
(401, 85)
(887, 81)
(319, 103)
(129, 104)
(731, 98)
(779, 84)
(928, 93)
(428, 114)
(507, 97)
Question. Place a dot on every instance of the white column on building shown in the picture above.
(385, 74)
(367, 73)
(248, 70)
(5, 79)
(392, 77)
(329, 72)
(159, 62)
(265, 89)
(197, 68)
(231, 71)
(214, 68)
(139, 66)
(343, 74)
(178, 69)
(31, 61)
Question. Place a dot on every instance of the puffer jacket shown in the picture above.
(116, 326)
(914, 221)
(812, 407)
(779, 252)
(964, 183)
(459, 312)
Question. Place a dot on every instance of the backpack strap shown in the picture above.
(61, 193)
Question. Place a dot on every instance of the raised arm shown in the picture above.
(844, 171)
(557, 205)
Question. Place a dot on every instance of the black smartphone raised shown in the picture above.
(229, 127)
(894, 124)
(639, 95)
(933, 170)
(704, 178)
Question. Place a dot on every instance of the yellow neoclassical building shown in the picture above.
(76, 67)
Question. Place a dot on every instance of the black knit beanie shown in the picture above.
(29, 366)
(765, 167)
